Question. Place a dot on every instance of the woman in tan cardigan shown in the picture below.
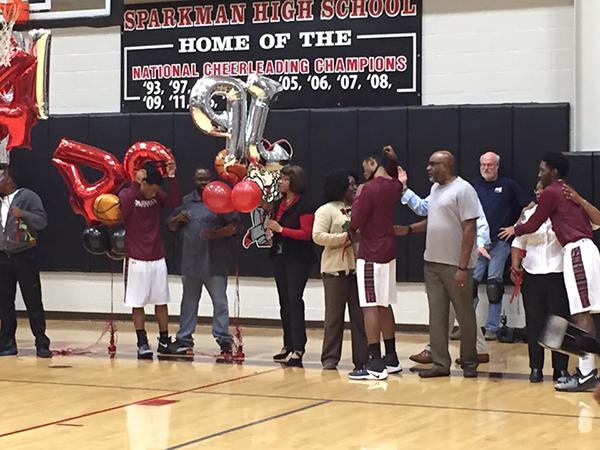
(330, 230)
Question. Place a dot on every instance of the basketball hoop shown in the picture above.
(11, 12)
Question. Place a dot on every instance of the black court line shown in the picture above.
(101, 386)
(406, 405)
(250, 424)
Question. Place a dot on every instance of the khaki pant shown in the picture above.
(339, 291)
(441, 291)
(481, 343)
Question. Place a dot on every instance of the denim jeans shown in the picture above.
(499, 251)
(216, 286)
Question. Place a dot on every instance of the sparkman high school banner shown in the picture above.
(326, 53)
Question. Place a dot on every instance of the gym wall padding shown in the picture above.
(537, 129)
(323, 140)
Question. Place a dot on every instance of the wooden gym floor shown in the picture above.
(91, 401)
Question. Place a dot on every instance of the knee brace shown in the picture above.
(475, 289)
(495, 291)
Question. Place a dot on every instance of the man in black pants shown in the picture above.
(538, 259)
(22, 216)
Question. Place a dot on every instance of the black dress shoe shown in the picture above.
(560, 374)
(536, 376)
(434, 373)
(43, 352)
(470, 372)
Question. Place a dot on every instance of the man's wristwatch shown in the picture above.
(409, 229)
(463, 269)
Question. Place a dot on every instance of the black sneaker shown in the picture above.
(167, 348)
(43, 352)
(560, 375)
(374, 370)
(577, 382)
(282, 356)
(9, 349)
(183, 349)
(144, 351)
(392, 364)
(295, 359)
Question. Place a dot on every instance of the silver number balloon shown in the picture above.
(262, 90)
(230, 123)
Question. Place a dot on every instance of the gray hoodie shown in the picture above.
(21, 234)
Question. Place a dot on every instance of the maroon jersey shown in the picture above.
(569, 221)
(142, 220)
(373, 216)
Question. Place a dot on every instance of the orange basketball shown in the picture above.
(107, 209)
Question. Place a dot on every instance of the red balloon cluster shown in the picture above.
(18, 113)
(220, 198)
(69, 154)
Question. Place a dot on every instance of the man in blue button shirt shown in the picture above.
(204, 263)
(502, 199)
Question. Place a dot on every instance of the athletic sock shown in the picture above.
(141, 337)
(587, 363)
(375, 351)
(390, 346)
(163, 337)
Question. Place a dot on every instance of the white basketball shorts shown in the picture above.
(146, 283)
(376, 283)
(582, 276)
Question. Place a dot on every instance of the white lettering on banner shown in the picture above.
(336, 38)
(277, 40)
(214, 44)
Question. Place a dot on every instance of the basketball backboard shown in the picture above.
(66, 13)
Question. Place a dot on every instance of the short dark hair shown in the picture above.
(336, 185)
(297, 178)
(153, 175)
(379, 159)
(557, 161)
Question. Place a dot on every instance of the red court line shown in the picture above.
(113, 408)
